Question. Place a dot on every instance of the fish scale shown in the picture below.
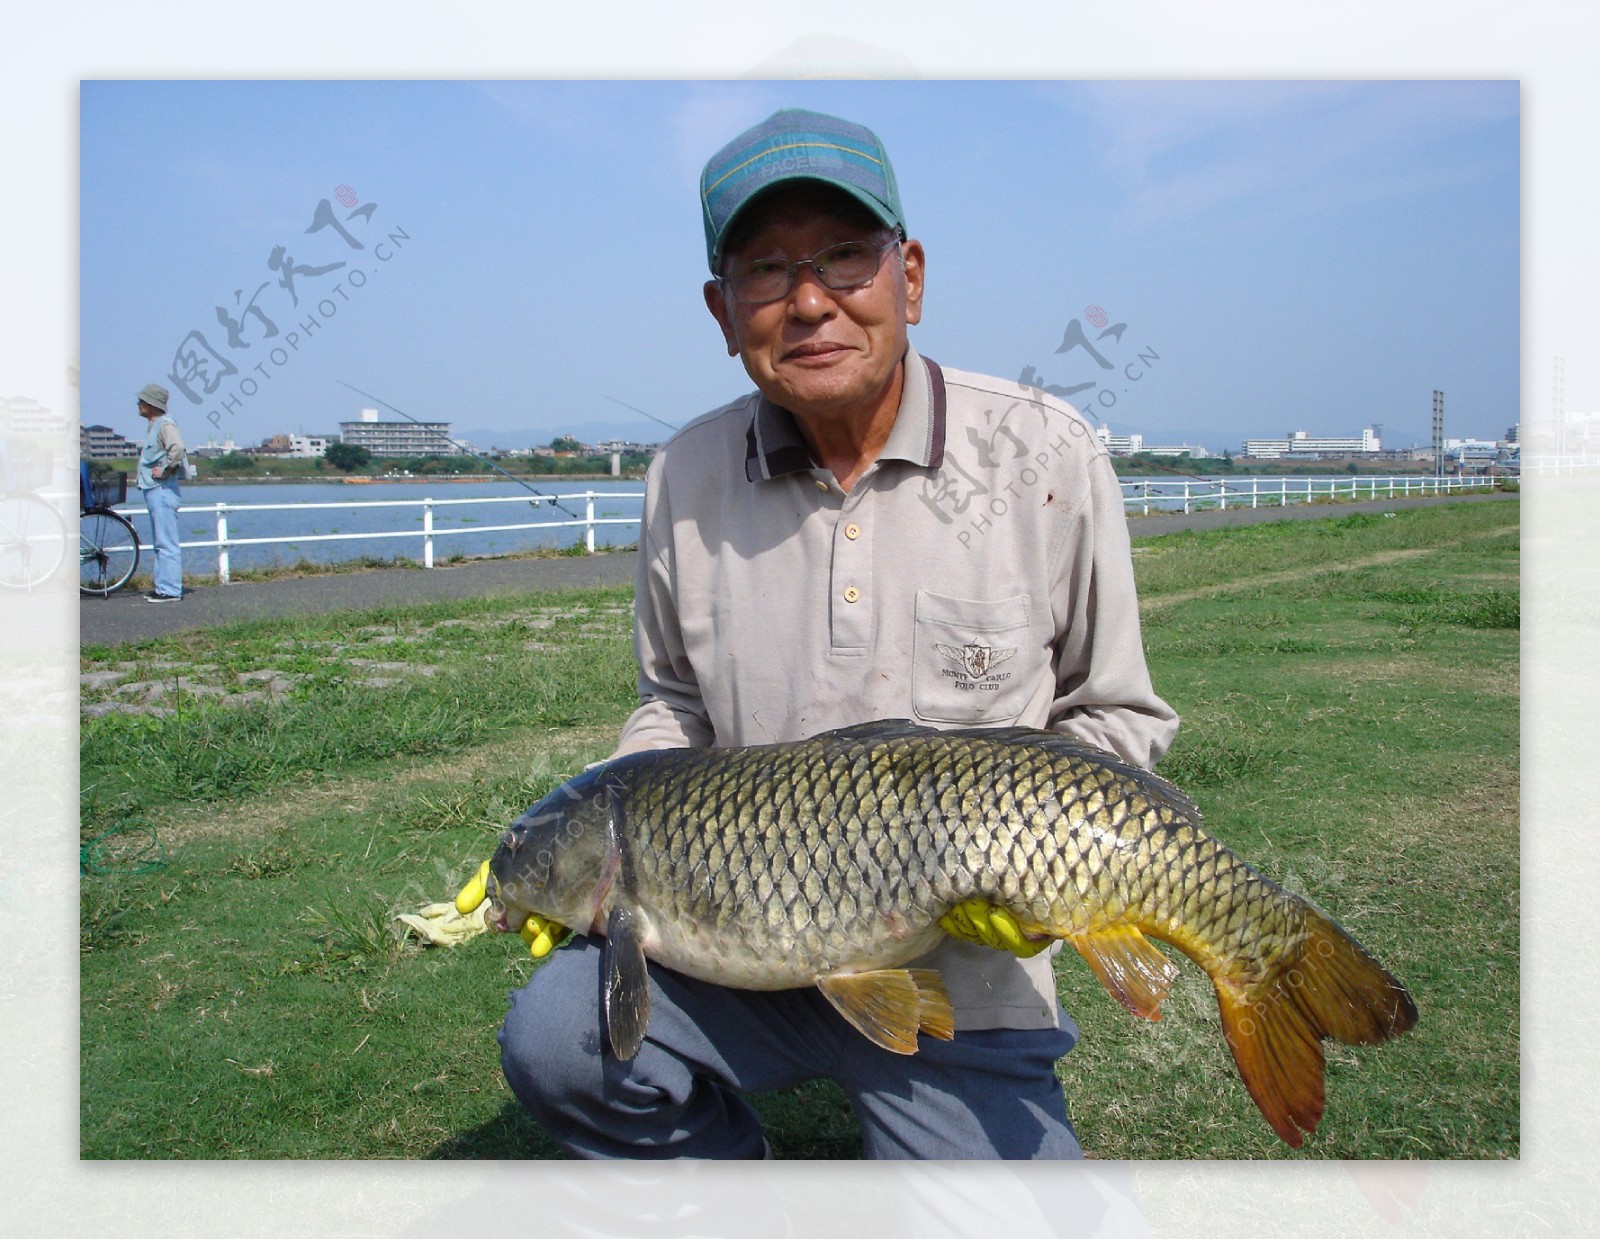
(830, 861)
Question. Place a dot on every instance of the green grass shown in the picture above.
(1349, 690)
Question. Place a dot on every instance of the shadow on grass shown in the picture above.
(510, 1134)
(811, 1121)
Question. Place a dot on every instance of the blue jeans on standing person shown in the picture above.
(162, 501)
(990, 1093)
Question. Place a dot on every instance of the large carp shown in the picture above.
(828, 862)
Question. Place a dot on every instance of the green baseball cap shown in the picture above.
(796, 145)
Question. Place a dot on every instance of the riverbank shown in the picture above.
(125, 617)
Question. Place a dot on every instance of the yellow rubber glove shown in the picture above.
(539, 933)
(443, 925)
(978, 921)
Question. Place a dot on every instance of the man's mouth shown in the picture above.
(815, 350)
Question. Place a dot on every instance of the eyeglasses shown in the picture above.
(850, 264)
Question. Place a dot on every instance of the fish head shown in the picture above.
(557, 859)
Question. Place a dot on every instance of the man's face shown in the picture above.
(148, 411)
(819, 352)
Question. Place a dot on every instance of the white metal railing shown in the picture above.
(429, 534)
(1144, 495)
(1196, 494)
(1560, 463)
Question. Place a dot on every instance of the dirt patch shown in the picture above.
(1501, 681)
(1300, 574)
(284, 807)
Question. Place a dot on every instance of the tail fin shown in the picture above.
(1335, 990)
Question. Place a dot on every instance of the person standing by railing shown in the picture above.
(161, 466)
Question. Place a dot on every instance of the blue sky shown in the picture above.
(1285, 255)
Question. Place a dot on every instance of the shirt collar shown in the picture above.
(774, 445)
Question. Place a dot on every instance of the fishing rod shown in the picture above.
(462, 448)
(636, 409)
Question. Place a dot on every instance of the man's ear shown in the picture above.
(718, 305)
(915, 261)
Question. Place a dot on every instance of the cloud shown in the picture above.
(1180, 149)
(710, 115)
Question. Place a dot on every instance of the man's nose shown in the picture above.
(810, 299)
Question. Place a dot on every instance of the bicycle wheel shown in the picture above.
(33, 540)
(108, 551)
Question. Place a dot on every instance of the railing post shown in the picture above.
(588, 516)
(1144, 490)
(427, 532)
(222, 545)
(1186, 498)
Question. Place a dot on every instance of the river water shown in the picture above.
(371, 509)
(394, 510)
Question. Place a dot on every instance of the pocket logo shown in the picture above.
(976, 662)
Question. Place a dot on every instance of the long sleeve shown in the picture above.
(170, 441)
(671, 712)
(1103, 689)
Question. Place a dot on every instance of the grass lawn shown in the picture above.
(259, 801)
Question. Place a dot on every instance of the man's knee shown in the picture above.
(550, 1045)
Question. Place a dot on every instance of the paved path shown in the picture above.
(127, 617)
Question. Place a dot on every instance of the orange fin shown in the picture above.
(1130, 966)
(889, 1006)
(937, 1018)
(1275, 1030)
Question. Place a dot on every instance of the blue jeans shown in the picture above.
(987, 1094)
(162, 500)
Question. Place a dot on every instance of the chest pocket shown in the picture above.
(973, 661)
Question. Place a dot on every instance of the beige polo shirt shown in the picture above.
(977, 574)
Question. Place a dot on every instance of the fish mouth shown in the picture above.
(498, 917)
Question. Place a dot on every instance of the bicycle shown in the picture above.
(108, 545)
(33, 540)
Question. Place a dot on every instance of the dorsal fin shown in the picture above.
(1069, 746)
(877, 730)
(1062, 743)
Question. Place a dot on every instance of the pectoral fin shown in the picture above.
(889, 1006)
(627, 1001)
(1129, 966)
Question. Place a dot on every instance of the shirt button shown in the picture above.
(851, 594)
(852, 531)
(821, 485)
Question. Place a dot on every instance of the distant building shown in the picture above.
(101, 443)
(397, 438)
(1471, 453)
(304, 447)
(1304, 446)
(1119, 445)
(1173, 450)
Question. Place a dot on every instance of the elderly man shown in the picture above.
(867, 535)
(161, 467)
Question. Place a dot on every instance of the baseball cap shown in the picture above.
(154, 394)
(794, 145)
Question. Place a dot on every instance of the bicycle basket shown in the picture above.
(110, 489)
